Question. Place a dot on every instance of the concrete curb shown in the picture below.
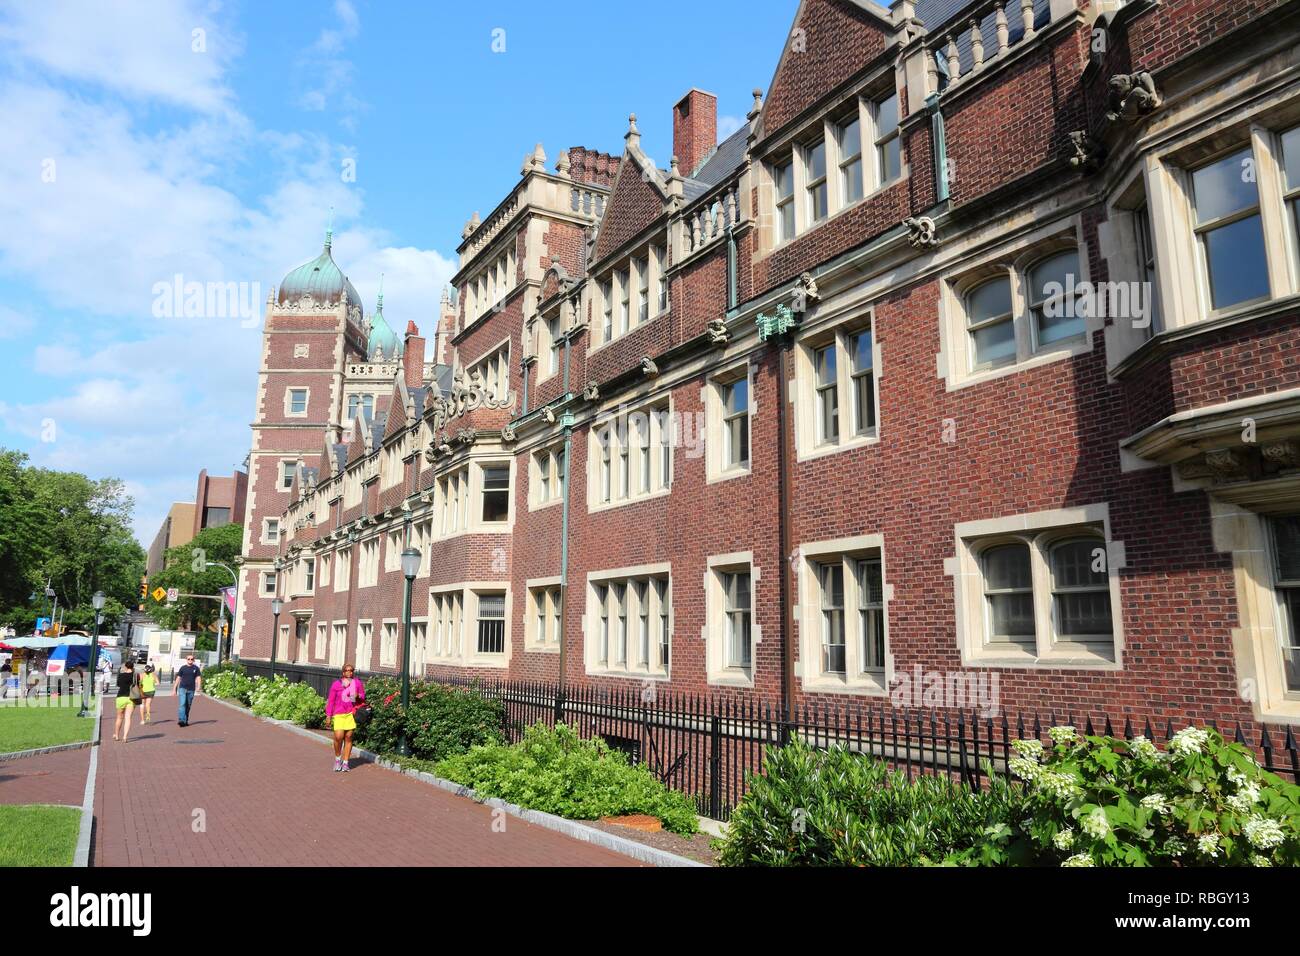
(82, 855)
(57, 748)
(571, 828)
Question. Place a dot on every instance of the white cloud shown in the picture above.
(728, 125)
(137, 48)
(139, 195)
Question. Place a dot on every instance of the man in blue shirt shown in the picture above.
(188, 683)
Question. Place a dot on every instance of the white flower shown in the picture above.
(1079, 859)
(1025, 768)
(1095, 824)
(1236, 776)
(1208, 845)
(1175, 846)
(1064, 839)
(1244, 799)
(1189, 740)
(1143, 749)
(1062, 735)
(1032, 749)
(1258, 860)
(1262, 833)
(1062, 786)
(1157, 802)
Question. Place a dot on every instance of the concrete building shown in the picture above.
(177, 529)
(974, 352)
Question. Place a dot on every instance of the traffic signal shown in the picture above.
(144, 591)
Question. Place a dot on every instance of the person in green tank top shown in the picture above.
(148, 684)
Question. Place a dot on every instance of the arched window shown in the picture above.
(1080, 589)
(1052, 298)
(1009, 594)
(991, 323)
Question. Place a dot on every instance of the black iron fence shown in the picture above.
(705, 746)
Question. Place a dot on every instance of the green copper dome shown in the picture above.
(382, 341)
(321, 279)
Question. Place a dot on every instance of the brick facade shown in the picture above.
(953, 446)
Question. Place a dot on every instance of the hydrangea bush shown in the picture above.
(1101, 801)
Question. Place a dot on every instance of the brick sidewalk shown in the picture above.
(271, 799)
(46, 778)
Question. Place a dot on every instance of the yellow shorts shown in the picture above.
(345, 722)
(124, 702)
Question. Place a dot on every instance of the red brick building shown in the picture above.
(972, 357)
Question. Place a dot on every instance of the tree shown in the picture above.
(71, 531)
(184, 568)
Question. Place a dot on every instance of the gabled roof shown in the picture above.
(640, 191)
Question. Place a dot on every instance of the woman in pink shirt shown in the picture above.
(346, 695)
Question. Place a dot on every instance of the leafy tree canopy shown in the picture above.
(185, 568)
(71, 531)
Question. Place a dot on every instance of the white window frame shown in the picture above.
(271, 531)
(1014, 259)
(543, 609)
(716, 442)
(280, 483)
(288, 401)
(836, 331)
(599, 614)
(611, 463)
(719, 669)
(856, 679)
(365, 644)
(546, 488)
(1039, 530)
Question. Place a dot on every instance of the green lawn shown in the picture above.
(38, 835)
(27, 726)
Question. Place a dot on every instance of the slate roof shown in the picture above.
(725, 159)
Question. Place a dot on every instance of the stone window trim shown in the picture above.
(280, 483)
(270, 531)
(469, 593)
(545, 490)
(342, 569)
(551, 333)
(470, 496)
(289, 401)
(836, 331)
(621, 281)
(808, 617)
(591, 621)
(390, 651)
(1262, 627)
(419, 662)
(1184, 277)
(1038, 530)
(618, 425)
(492, 364)
(714, 630)
(538, 590)
(715, 442)
(268, 577)
(1126, 241)
(368, 549)
(1013, 259)
(825, 128)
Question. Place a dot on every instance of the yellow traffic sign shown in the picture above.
(159, 594)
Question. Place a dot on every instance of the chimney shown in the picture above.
(695, 129)
(413, 357)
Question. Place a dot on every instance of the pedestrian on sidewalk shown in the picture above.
(148, 687)
(128, 692)
(346, 695)
(188, 682)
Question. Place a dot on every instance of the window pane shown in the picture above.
(1291, 157)
(988, 300)
(784, 180)
(787, 220)
(995, 343)
(1007, 566)
(1223, 187)
(816, 162)
(860, 345)
(737, 396)
(891, 160)
(496, 493)
(491, 623)
(1054, 276)
(850, 139)
(1073, 564)
(886, 116)
(1084, 614)
(1286, 540)
(1013, 615)
(825, 361)
(1235, 257)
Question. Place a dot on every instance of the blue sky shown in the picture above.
(146, 140)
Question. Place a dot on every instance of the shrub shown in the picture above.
(231, 684)
(1101, 801)
(440, 722)
(555, 771)
(282, 700)
(838, 808)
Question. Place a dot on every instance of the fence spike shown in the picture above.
(1128, 728)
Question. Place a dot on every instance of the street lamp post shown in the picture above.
(98, 602)
(276, 606)
(221, 608)
(410, 568)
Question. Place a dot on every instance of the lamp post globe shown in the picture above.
(410, 568)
